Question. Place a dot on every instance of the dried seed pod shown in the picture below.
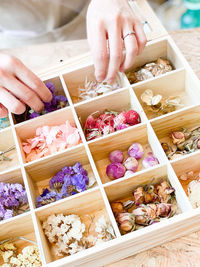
(143, 74)
(156, 100)
(177, 137)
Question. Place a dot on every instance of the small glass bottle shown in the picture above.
(191, 18)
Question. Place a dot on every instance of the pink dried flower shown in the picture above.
(115, 170)
(132, 117)
(121, 126)
(120, 119)
(116, 156)
(131, 164)
(150, 161)
(136, 151)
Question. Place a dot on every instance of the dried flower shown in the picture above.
(150, 161)
(126, 222)
(51, 139)
(29, 257)
(131, 164)
(164, 191)
(109, 122)
(136, 151)
(149, 70)
(117, 207)
(94, 89)
(69, 181)
(178, 138)
(12, 200)
(115, 170)
(116, 156)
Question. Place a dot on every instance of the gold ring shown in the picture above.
(130, 33)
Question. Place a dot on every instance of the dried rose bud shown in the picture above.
(187, 135)
(115, 170)
(163, 209)
(164, 190)
(126, 226)
(138, 194)
(117, 207)
(148, 198)
(150, 161)
(136, 151)
(126, 221)
(165, 147)
(178, 138)
(131, 164)
(116, 156)
(140, 215)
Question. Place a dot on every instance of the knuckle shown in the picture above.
(28, 96)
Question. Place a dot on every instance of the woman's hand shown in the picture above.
(113, 20)
(19, 86)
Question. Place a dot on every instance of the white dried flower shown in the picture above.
(67, 234)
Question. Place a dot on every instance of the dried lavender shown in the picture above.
(67, 182)
(12, 200)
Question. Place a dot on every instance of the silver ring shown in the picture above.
(130, 33)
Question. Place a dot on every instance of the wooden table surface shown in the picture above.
(182, 252)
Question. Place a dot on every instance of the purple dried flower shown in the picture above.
(136, 151)
(12, 197)
(61, 98)
(51, 87)
(34, 115)
(45, 198)
(68, 170)
(57, 181)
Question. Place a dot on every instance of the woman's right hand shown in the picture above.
(20, 87)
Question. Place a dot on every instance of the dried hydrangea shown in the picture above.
(194, 193)
(94, 88)
(67, 182)
(13, 200)
(183, 142)
(30, 256)
(149, 70)
(159, 105)
(150, 205)
(68, 233)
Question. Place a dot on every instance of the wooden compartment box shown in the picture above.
(93, 155)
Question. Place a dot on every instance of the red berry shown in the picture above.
(132, 117)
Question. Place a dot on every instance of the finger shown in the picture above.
(131, 47)
(23, 93)
(100, 54)
(140, 36)
(10, 102)
(3, 111)
(115, 45)
(32, 81)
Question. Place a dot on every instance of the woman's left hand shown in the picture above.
(112, 20)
